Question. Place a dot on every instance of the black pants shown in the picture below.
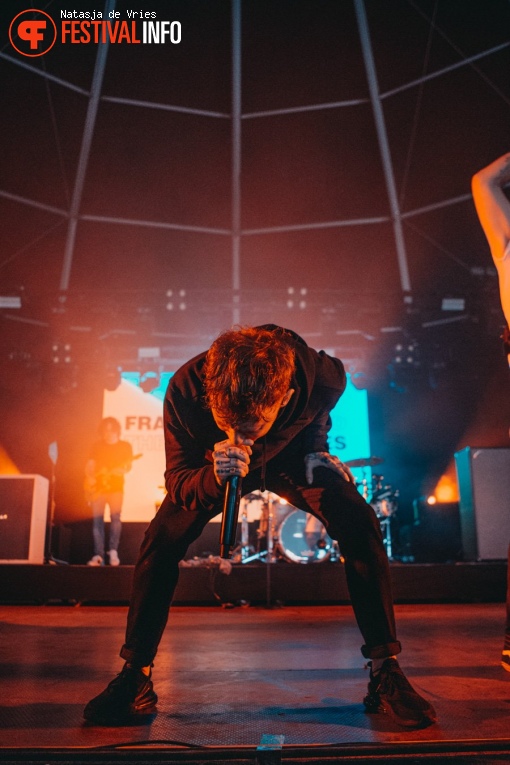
(343, 511)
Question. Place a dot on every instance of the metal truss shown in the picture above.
(95, 97)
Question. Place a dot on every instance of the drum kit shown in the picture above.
(381, 496)
(285, 532)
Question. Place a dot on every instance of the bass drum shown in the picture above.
(303, 539)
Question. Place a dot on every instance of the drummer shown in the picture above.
(257, 405)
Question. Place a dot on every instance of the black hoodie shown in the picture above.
(190, 430)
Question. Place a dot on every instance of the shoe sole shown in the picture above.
(144, 713)
(376, 706)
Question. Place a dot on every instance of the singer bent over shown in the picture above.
(257, 406)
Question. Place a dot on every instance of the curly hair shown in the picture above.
(246, 371)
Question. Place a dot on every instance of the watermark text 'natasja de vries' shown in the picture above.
(91, 27)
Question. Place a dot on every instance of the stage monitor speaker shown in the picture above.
(23, 512)
(483, 476)
(435, 537)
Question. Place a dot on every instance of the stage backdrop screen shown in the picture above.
(141, 418)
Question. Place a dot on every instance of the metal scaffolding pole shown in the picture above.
(384, 148)
(236, 160)
(86, 143)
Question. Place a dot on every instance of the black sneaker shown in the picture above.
(129, 698)
(390, 692)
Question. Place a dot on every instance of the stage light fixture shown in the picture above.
(61, 353)
(405, 366)
(148, 353)
(291, 292)
(149, 382)
(10, 301)
(447, 489)
(453, 304)
(406, 354)
(177, 300)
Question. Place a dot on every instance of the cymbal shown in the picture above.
(364, 462)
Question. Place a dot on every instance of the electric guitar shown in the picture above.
(100, 482)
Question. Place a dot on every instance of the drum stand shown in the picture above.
(50, 522)
(269, 554)
(384, 502)
(386, 534)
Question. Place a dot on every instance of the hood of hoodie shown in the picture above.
(318, 382)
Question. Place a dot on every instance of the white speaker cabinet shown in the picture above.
(23, 512)
(484, 487)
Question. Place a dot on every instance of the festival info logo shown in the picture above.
(32, 32)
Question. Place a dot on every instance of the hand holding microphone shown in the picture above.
(231, 459)
(231, 464)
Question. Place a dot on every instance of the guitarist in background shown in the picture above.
(109, 460)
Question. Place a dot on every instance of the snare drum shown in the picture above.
(303, 539)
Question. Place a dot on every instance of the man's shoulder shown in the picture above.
(184, 399)
(188, 377)
(329, 371)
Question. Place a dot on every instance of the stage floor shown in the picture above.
(227, 677)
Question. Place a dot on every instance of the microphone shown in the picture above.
(230, 515)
